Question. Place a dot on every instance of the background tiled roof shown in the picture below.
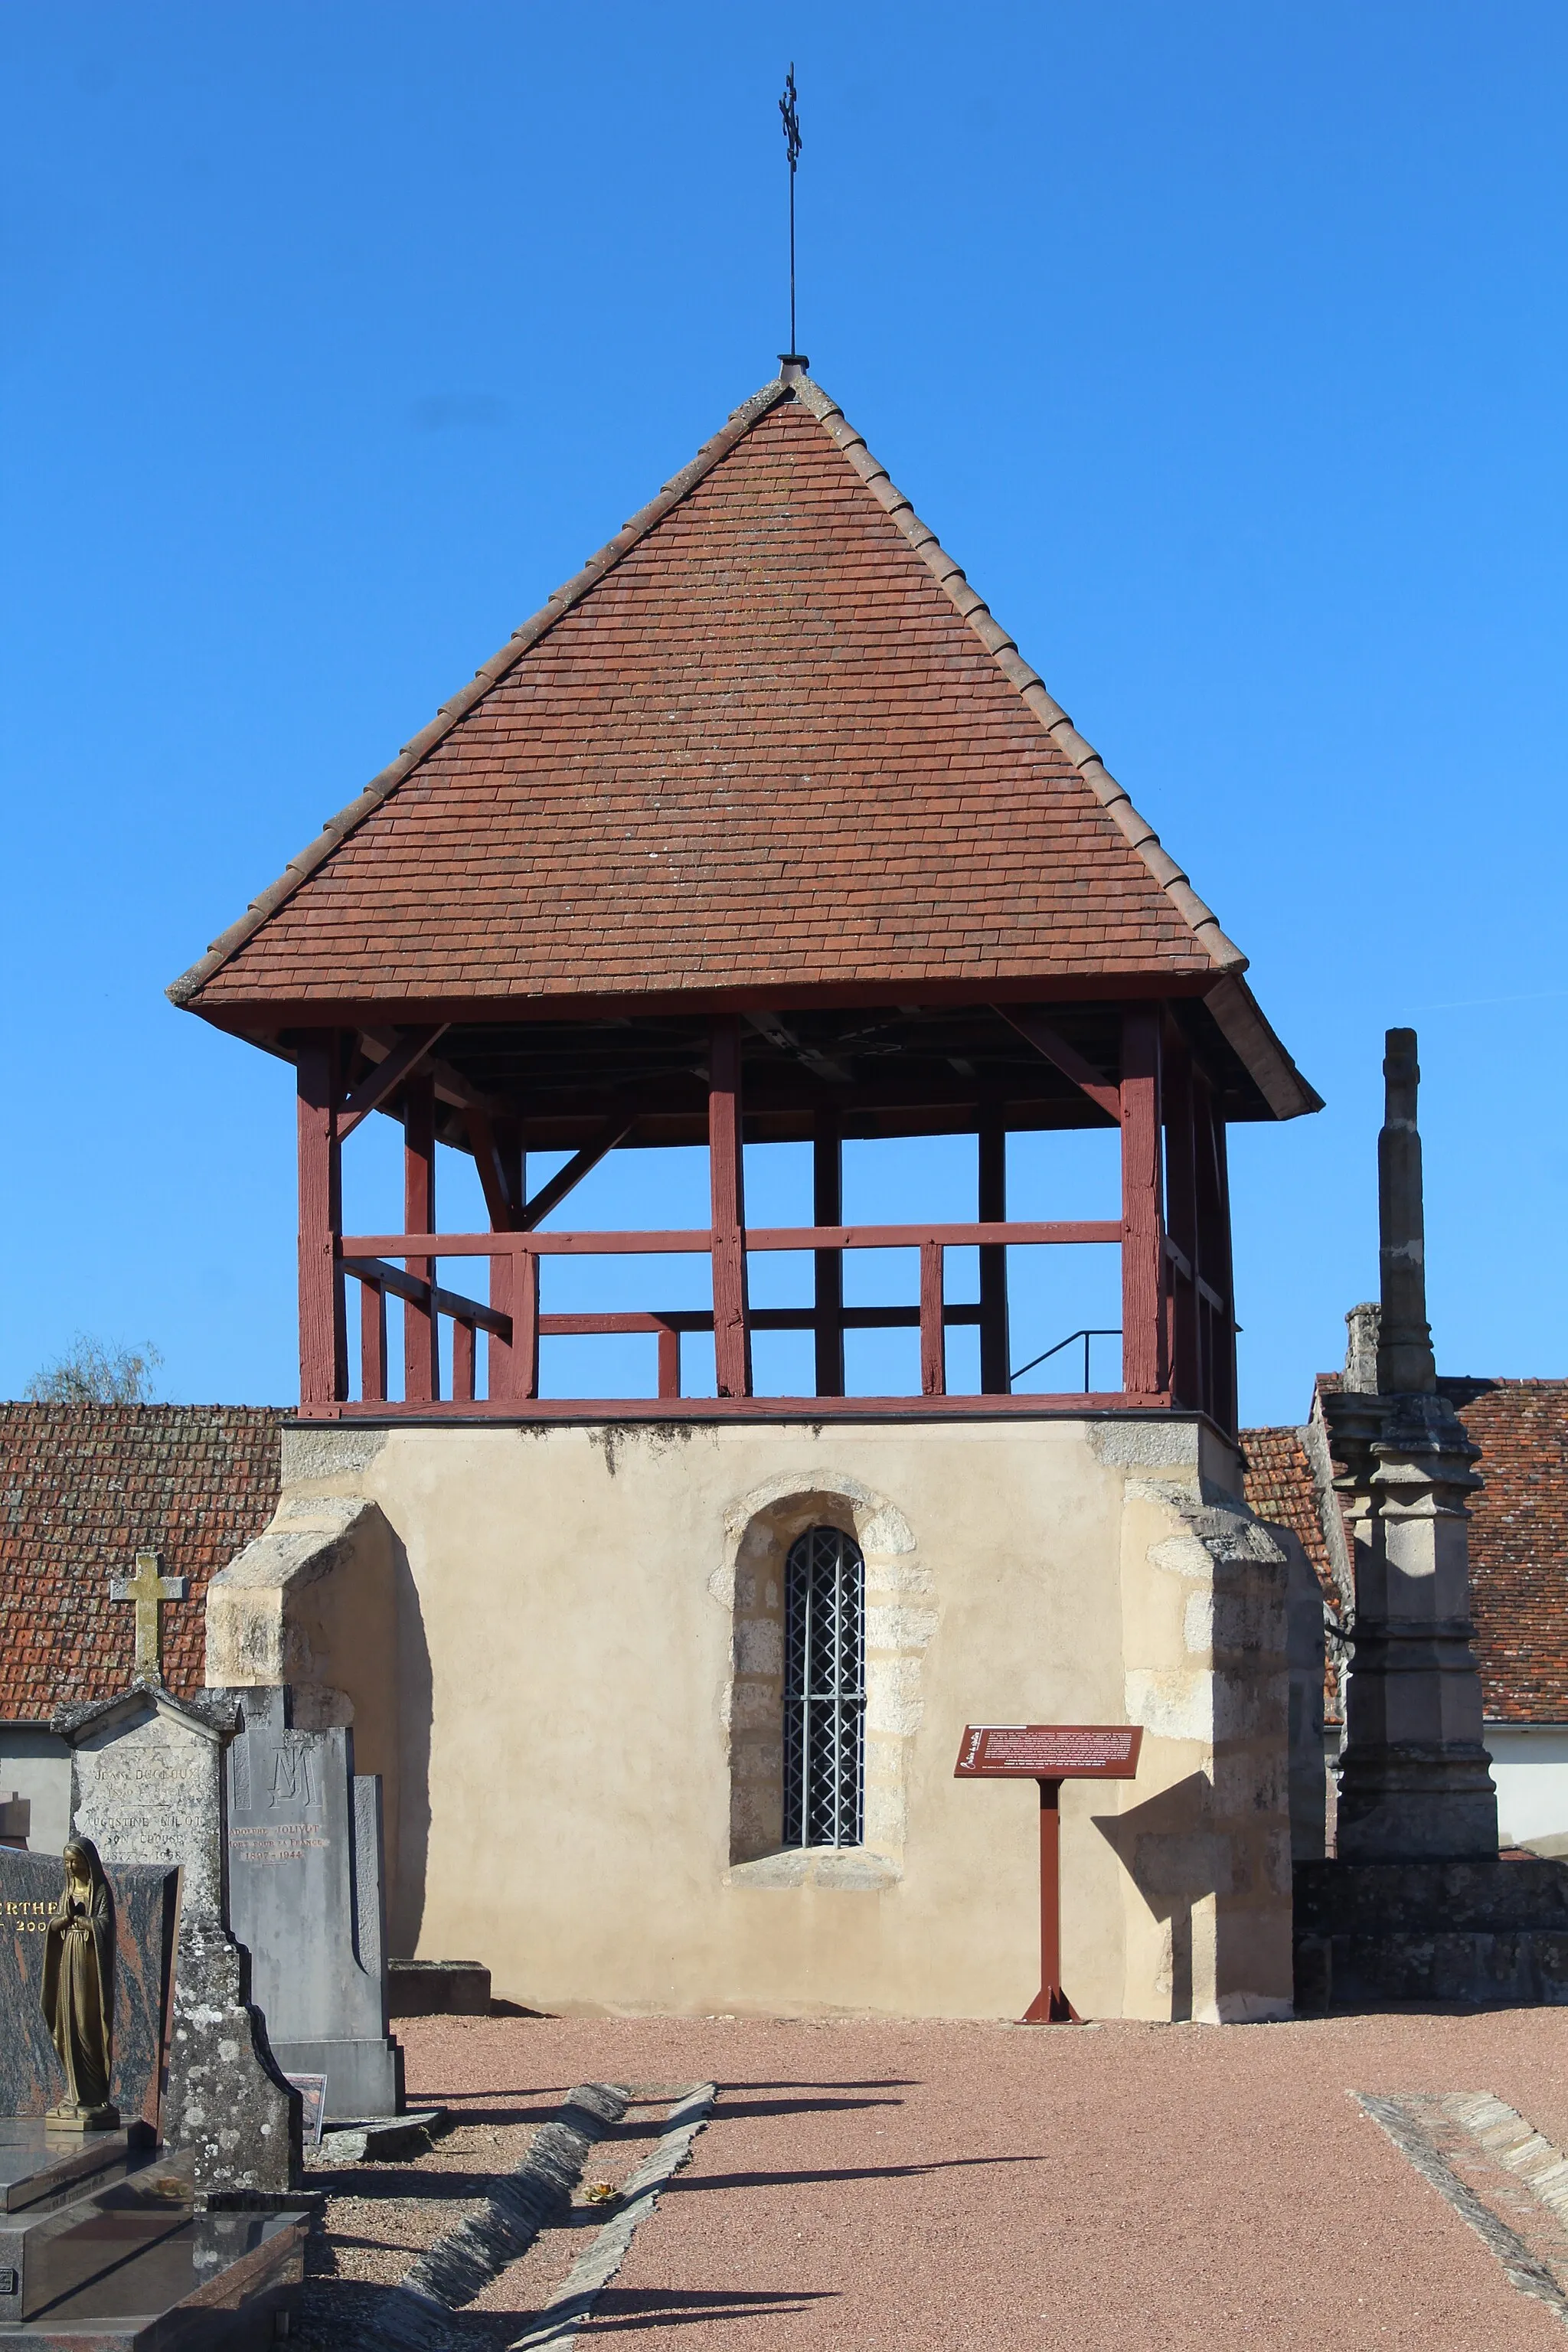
(1519, 1544)
(1279, 1485)
(82, 1488)
(763, 749)
(1518, 1532)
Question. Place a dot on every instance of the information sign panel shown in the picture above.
(1049, 1753)
(1056, 1751)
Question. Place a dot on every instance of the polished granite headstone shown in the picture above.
(305, 1898)
(143, 1894)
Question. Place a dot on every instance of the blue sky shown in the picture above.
(1222, 346)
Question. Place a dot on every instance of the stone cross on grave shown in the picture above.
(149, 1587)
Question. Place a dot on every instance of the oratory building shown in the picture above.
(762, 833)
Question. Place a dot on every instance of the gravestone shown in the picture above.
(32, 2079)
(147, 1787)
(306, 1900)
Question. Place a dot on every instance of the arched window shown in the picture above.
(825, 1690)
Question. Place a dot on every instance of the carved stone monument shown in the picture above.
(147, 1788)
(1414, 1778)
(1417, 1906)
(305, 1895)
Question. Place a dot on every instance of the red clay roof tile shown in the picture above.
(83, 1487)
(756, 744)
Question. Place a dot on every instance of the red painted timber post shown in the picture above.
(996, 1371)
(524, 1308)
(1142, 1240)
(514, 1279)
(1185, 1317)
(731, 1339)
(1219, 1271)
(463, 1353)
(828, 1209)
(421, 1356)
(933, 1335)
(373, 1343)
(323, 1321)
(1050, 2005)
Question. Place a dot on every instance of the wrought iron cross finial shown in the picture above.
(149, 1587)
(792, 147)
(791, 119)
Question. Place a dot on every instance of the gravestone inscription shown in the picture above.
(144, 1898)
(306, 1900)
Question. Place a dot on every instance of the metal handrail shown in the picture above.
(1085, 1335)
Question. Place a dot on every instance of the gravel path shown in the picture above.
(1113, 2188)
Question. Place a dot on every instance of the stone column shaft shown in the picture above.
(1414, 1778)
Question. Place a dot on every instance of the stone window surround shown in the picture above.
(901, 1620)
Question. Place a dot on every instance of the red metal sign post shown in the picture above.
(1049, 1753)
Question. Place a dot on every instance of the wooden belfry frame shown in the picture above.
(760, 830)
(1178, 1325)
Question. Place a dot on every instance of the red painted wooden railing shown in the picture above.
(1174, 1232)
(514, 1334)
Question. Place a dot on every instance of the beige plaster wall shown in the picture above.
(558, 1642)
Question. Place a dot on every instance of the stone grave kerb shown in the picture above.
(147, 1785)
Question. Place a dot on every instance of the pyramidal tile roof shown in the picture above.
(768, 739)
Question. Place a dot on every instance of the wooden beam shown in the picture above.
(525, 1326)
(731, 1344)
(1070, 1404)
(695, 1241)
(1066, 1058)
(1183, 1322)
(323, 1336)
(495, 1175)
(451, 1086)
(421, 1354)
(827, 1209)
(821, 1066)
(501, 1356)
(377, 1274)
(760, 1319)
(387, 1075)
(513, 1163)
(933, 1345)
(1214, 1241)
(373, 1343)
(1142, 1250)
(995, 1350)
(566, 1180)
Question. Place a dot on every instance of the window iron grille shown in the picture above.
(825, 1690)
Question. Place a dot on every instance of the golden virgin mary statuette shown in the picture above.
(79, 1990)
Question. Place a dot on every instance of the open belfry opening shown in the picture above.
(762, 833)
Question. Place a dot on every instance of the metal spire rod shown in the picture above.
(792, 145)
